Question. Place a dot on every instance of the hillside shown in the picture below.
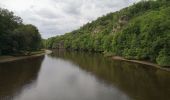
(141, 32)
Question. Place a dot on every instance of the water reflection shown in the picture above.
(140, 82)
(65, 75)
(17, 75)
(63, 80)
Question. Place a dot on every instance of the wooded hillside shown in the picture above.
(141, 31)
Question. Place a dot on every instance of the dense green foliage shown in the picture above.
(141, 31)
(15, 37)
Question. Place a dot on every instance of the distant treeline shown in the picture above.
(141, 31)
(16, 37)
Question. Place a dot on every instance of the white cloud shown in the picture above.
(54, 17)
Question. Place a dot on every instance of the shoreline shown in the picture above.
(134, 61)
(140, 62)
(5, 59)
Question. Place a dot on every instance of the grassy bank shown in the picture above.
(9, 58)
(110, 54)
(167, 68)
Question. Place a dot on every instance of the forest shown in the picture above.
(16, 37)
(140, 32)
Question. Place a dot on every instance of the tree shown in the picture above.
(15, 36)
(27, 37)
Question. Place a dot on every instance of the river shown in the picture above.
(68, 75)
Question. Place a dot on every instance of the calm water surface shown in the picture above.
(81, 76)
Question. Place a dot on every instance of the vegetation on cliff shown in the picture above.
(141, 31)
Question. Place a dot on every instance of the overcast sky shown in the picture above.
(56, 17)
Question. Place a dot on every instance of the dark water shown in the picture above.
(81, 76)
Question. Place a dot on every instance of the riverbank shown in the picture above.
(9, 58)
(140, 62)
(110, 55)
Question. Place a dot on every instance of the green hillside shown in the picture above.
(141, 31)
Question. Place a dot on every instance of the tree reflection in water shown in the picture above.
(140, 82)
(16, 75)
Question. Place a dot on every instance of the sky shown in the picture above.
(56, 17)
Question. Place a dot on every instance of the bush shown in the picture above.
(163, 59)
